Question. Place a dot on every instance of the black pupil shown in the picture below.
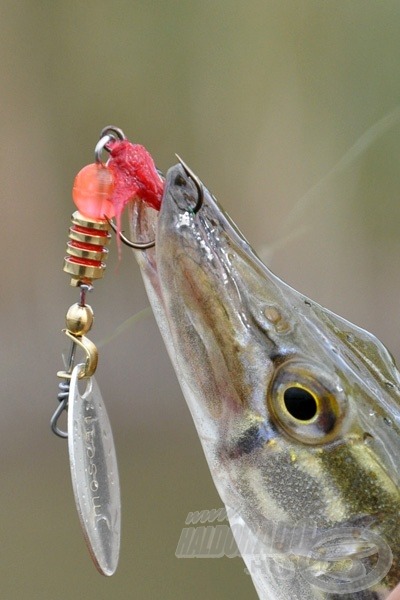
(300, 403)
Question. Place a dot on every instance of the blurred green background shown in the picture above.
(290, 112)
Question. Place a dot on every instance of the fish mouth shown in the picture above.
(205, 245)
(177, 227)
(204, 222)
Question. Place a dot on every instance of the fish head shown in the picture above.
(296, 408)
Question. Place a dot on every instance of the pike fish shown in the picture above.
(296, 408)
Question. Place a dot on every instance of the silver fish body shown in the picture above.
(297, 409)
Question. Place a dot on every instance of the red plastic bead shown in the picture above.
(93, 187)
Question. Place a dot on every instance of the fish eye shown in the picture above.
(306, 402)
(300, 403)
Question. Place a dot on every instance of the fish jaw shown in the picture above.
(231, 328)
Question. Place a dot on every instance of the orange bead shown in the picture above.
(92, 191)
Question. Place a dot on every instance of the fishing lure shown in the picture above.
(100, 192)
(297, 409)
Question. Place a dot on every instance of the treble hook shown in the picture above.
(197, 183)
(107, 135)
(111, 133)
(151, 244)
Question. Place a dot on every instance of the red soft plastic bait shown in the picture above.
(104, 190)
(135, 175)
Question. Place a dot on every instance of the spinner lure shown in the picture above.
(100, 193)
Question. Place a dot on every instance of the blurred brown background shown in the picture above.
(290, 112)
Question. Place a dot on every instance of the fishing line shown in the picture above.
(371, 135)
